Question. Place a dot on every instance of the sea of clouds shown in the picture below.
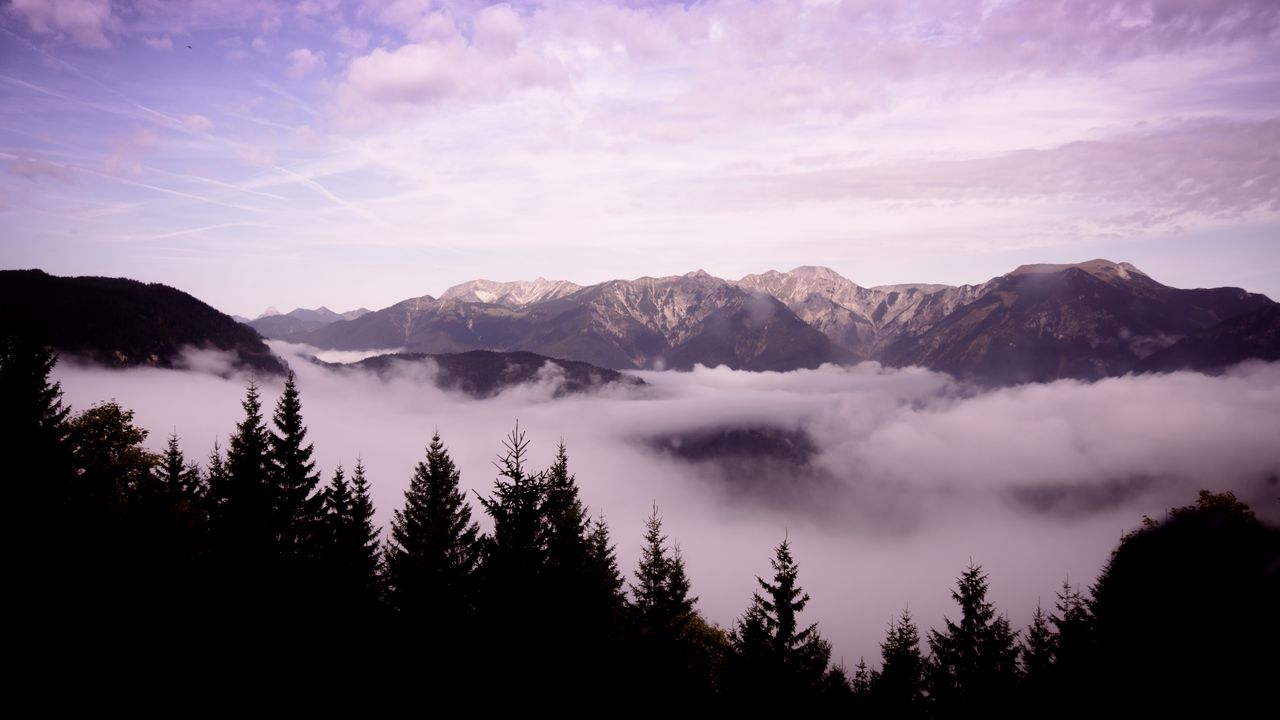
(908, 475)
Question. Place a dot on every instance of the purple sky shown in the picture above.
(357, 153)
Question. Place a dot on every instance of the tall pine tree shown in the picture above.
(897, 689)
(974, 669)
(244, 500)
(583, 601)
(513, 572)
(180, 479)
(350, 554)
(660, 594)
(1039, 646)
(298, 505)
(674, 648)
(775, 659)
(432, 556)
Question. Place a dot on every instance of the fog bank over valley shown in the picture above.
(887, 481)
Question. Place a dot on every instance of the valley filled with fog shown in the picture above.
(887, 481)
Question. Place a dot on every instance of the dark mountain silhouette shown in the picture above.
(1087, 321)
(481, 373)
(119, 323)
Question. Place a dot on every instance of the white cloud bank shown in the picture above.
(913, 473)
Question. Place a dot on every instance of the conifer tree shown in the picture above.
(337, 507)
(1037, 654)
(604, 562)
(580, 578)
(1038, 648)
(246, 502)
(897, 689)
(566, 527)
(365, 548)
(180, 479)
(974, 667)
(215, 479)
(1073, 648)
(432, 555)
(515, 552)
(34, 430)
(350, 553)
(861, 683)
(660, 593)
(773, 654)
(513, 573)
(298, 505)
(243, 542)
(670, 652)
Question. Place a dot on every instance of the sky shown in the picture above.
(913, 474)
(357, 153)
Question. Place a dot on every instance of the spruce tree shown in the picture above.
(513, 573)
(366, 552)
(1073, 633)
(566, 528)
(897, 689)
(660, 593)
(773, 655)
(34, 431)
(350, 554)
(431, 558)
(677, 653)
(974, 668)
(580, 578)
(1037, 653)
(515, 552)
(245, 501)
(604, 565)
(298, 505)
(215, 480)
(245, 590)
(180, 479)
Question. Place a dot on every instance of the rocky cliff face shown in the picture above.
(1038, 322)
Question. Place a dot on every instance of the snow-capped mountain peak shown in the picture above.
(516, 294)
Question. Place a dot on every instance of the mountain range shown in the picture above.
(1037, 323)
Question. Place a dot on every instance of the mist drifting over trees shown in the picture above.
(252, 557)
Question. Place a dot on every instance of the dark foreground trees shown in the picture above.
(140, 570)
(776, 660)
(1187, 612)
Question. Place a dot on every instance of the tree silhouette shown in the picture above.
(1185, 612)
(897, 689)
(298, 508)
(778, 659)
(974, 668)
(181, 479)
(432, 555)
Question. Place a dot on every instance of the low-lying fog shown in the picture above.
(887, 481)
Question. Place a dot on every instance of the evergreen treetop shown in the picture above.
(434, 547)
(298, 505)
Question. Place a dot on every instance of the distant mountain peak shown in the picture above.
(1099, 268)
(515, 294)
(817, 271)
(269, 312)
